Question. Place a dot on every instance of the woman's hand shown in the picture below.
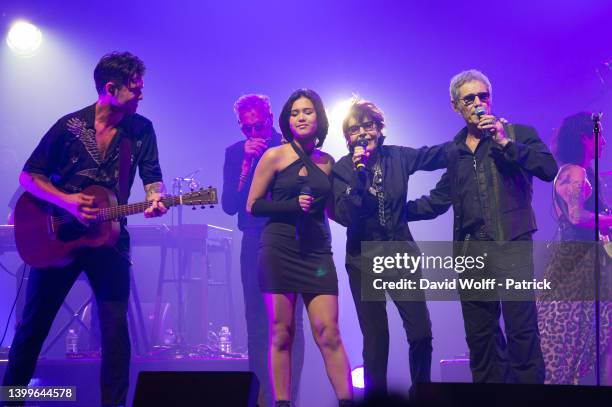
(360, 156)
(305, 202)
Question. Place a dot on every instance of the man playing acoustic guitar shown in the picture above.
(102, 145)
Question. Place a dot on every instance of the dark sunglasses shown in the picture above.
(469, 99)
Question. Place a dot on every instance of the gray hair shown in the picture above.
(252, 101)
(467, 76)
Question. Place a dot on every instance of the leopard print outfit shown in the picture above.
(566, 314)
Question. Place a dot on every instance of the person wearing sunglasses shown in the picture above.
(370, 186)
(488, 182)
(255, 119)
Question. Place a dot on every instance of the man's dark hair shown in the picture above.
(117, 67)
(322, 122)
(567, 144)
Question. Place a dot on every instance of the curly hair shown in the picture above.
(567, 143)
(117, 67)
(322, 121)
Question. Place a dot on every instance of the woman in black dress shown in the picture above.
(291, 186)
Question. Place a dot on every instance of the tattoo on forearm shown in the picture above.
(154, 189)
(574, 203)
(573, 200)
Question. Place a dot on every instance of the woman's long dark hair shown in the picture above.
(567, 144)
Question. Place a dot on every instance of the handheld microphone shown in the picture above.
(306, 190)
(299, 225)
(255, 160)
(481, 112)
(362, 142)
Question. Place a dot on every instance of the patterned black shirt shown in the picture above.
(69, 157)
(68, 154)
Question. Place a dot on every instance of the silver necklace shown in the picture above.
(379, 192)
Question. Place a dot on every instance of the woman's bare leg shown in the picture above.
(323, 315)
(281, 308)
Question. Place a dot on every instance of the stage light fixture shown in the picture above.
(24, 38)
(357, 376)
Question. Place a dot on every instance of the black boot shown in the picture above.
(282, 403)
(345, 403)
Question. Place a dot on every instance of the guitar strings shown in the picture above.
(112, 212)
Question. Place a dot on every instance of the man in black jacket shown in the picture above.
(256, 122)
(489, 184)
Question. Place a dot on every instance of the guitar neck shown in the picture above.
(121, 211)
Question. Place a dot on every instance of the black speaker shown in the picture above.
(508, 395)
(228, 389)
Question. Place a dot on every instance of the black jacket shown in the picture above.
(357, 209)
(506, 189)
(232, 200)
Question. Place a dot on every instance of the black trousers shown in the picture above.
(374, 326)
(108, 274)
(257, 322)
(517, 356)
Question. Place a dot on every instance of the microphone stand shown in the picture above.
(177, 189)
(596, 129)
(603, 78)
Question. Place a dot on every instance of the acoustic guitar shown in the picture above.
(49, 236)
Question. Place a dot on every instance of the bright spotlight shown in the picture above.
(24, 38)
(338, 113)
(335, 143)
(357, 376)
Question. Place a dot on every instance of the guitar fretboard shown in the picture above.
(121, 211)
(201, 197)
